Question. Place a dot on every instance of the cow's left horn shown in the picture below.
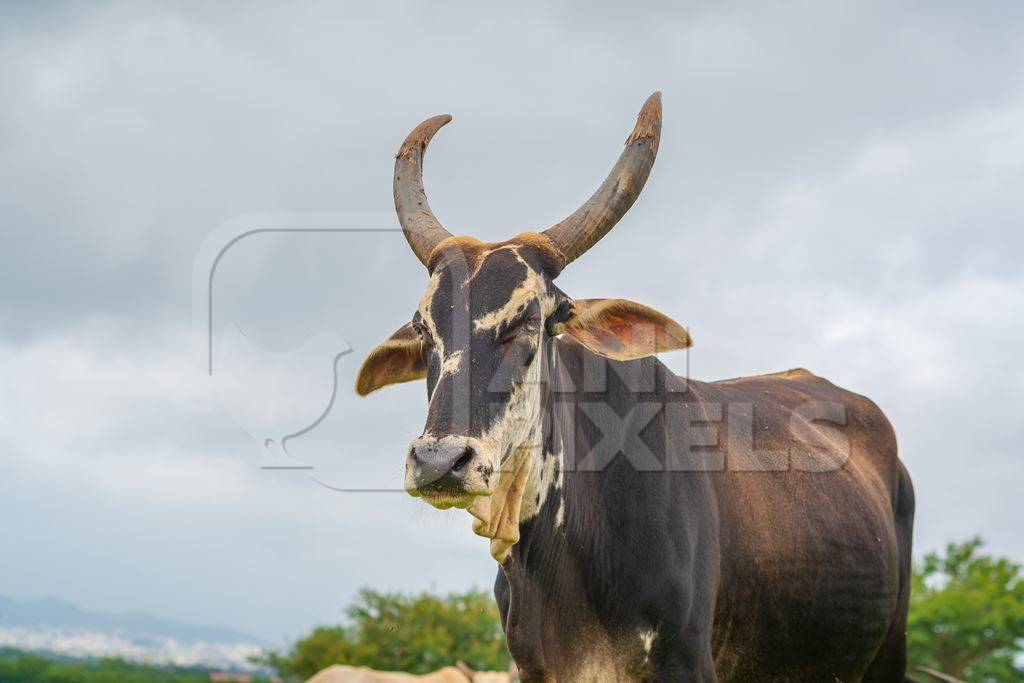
(592, 221)
(421, 228)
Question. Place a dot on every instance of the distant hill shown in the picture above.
(58, 614)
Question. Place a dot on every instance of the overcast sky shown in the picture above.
(839, 187)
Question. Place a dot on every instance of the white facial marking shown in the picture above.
(519, 426)
(530, 288)
(451, 363)
(647, 638)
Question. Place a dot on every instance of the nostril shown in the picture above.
(460, 465)
(412, 454)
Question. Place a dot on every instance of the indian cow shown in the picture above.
(343, 673)
(647, 526)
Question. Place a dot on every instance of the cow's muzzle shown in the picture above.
(448, 471)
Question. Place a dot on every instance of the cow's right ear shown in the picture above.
(398, 359)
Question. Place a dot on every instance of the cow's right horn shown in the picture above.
(421, 228)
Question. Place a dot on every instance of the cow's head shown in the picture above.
(481, 335)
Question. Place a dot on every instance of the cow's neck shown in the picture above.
(553, 491)
(524, 476)
(534, 494)
(557, 557)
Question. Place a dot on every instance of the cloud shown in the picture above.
(127, 468)
(838, 188)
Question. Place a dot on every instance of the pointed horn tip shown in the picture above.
(648, 122)
(421, 135)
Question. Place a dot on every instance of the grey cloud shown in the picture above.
(838, 187)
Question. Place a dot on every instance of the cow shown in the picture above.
(461, 673)
(647, 526)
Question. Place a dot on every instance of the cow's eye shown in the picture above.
(562, 313)
(521, 329)
(425, 339)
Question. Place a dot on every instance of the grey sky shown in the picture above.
(838, 187)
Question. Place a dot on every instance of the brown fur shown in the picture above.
(623, 330)
(394, 361)
(473, 251)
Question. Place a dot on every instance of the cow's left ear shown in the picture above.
(398, 359)
(621, 329)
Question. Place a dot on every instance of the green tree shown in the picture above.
(967, 615)
(397, 632)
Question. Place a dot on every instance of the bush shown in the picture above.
(396, 632)
(967, 615)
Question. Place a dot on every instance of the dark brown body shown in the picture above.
(737, 575)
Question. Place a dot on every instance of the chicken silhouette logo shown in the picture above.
(276, 397)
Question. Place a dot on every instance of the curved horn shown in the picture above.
(592, 221)
(421, 228)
